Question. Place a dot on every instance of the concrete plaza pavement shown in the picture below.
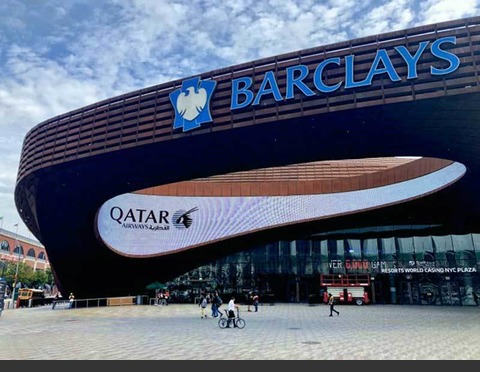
(279, 332)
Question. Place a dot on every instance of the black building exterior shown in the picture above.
(412, 227)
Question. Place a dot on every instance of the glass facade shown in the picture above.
(416, 270)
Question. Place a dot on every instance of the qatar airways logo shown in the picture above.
(192, 103)
(144, 219)
(182, 219)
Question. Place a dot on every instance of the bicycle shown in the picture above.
(237, 321)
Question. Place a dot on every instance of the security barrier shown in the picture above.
(121, 301)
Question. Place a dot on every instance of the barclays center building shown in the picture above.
(358, 161)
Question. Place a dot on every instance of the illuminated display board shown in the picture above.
(144, 225)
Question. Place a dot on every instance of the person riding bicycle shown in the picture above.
(231, 312)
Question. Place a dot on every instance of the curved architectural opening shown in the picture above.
(5, 246)
(171, 218)
(319, 177)
(19, 250)
(31, 253)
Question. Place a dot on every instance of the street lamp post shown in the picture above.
(16, 270)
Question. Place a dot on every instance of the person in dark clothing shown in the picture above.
(216, 303)
(331, 302)
(249, 301)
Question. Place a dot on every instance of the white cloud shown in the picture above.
(433, 11)
(56, 56)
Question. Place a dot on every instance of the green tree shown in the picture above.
(39, 278)
(27, 276)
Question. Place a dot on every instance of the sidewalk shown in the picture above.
(280, 332)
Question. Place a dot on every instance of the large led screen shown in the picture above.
(139, 225)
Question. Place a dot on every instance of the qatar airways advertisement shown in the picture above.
(136, 225)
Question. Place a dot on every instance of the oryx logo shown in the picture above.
(192, 103)
(183, 220)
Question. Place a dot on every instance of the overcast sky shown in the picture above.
(60, 55)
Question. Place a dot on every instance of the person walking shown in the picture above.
(331, 302)
(249, 301)
(203, 305)
(255, 301)
(231, 312)
(216, 303)
(166, 296)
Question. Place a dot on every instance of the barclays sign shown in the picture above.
(243, 96)
(192, 101)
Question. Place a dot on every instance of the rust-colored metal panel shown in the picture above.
(98, 123)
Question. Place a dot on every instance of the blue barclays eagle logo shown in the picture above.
(192, 103)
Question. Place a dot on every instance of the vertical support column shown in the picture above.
(372, 287)
(393, 289)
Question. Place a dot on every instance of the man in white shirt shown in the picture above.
(231, 312)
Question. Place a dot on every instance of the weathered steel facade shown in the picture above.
(72, 163)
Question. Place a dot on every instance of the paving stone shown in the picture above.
(280, 332)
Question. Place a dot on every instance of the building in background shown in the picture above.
(15, 247)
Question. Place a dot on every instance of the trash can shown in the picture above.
(139, 300)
